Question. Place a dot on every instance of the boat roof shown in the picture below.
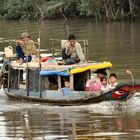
(70, 69)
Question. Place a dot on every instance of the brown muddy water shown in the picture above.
(114, 42)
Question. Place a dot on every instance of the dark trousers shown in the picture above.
(67, 58)
(20, 54)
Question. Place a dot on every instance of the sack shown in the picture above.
(8, 51)
(63, 43)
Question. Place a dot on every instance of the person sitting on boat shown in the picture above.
(71, 52)
(25, 48)
(112, 80)
(104, 86)
(94, 84)
(66, 89)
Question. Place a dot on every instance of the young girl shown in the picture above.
(104, 86)
(94, 84)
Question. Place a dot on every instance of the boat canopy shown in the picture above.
(91, 67)
(49, 72)
(53, 74)
(79, 69)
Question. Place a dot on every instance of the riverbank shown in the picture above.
(54, 9)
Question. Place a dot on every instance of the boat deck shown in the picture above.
(53, 65)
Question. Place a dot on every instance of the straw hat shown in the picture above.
(24, 34)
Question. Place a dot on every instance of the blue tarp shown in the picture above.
(58, 73)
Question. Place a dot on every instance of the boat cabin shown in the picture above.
(52, 76)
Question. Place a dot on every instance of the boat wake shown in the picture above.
(106, 107)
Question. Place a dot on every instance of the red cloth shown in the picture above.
(45, 59)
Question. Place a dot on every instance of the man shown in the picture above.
(25, 48)
(72, 52)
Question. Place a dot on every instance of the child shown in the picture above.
(94, 84)
(112, 80)
(104, 86)
(65, 90)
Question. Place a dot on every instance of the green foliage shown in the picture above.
(19, 9)
(89, 7)
(45, 9)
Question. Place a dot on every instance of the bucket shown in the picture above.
(8, 51)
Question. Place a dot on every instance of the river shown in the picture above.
(116, 42)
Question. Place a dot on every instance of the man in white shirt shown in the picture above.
(72, 52)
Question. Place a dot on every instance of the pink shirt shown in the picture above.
(94, 84)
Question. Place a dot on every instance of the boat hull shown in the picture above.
(45, 100)
(122, 92)
(84, 101)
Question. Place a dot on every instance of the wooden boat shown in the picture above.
(34, 83)
(42, 82)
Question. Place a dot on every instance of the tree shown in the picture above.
(110, 10)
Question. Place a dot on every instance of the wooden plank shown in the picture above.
(88, 74)
(19, 79)
(47, 84)
(59, 81)
(108, 74)
(71, 82)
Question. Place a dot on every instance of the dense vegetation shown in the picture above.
(110, 10)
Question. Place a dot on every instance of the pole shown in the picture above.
(27, 75)
(27, 72)
(86, 49)
(68, 30)
(40, 81)
(9, 75)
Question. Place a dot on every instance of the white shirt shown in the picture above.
(112, 86)
(105, 88)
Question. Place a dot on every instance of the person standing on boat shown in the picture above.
(25, 48)
(71, 52)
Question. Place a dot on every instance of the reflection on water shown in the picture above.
(115, 42)
(106, 120)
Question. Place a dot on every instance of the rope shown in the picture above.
(133, 81)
